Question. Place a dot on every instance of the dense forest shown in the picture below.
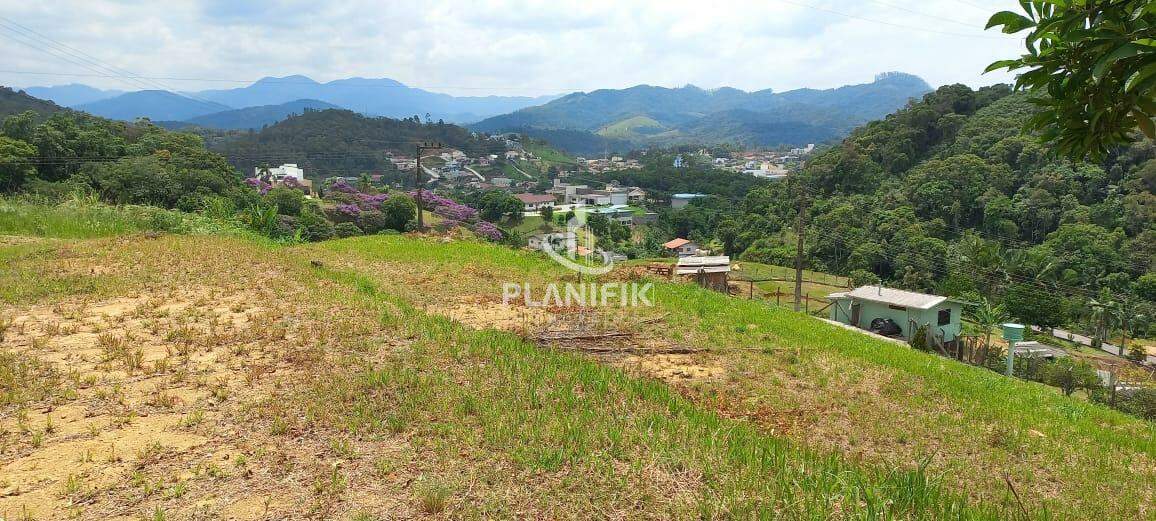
(948, 195)
(341, 143)
(137, 163)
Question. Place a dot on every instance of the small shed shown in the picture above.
(708, 272)
(907, 309)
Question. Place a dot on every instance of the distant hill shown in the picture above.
(15, 102)
(369, 96)
(340, 142)
(257, 117)
(157, 105)
(656, 115)
(72, 94)
(373, 97)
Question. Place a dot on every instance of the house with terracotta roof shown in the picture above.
(534, 202)
(681, 247)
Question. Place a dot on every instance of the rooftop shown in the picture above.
(534, 198)
(676, 243)
(897, 297)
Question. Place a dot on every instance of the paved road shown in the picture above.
(1082, 340)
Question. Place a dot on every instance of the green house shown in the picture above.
(907, 309)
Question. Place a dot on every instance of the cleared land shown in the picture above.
(201, 376)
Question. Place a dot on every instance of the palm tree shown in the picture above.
(265, 173)
(988, 316)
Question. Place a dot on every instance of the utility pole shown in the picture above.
(421, 148)
(800, 231)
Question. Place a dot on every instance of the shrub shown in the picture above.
(372, 221)
(343, 230)
(398, 210)
(288, 200)
(315, 227)
(1069, 375)
(1141, 402)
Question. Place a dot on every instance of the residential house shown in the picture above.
(681, 247)
(635, 195)
(277, 176)
(907, 309)
(535, 202)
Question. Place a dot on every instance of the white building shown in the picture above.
(283, 171)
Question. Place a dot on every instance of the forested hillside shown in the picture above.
(947, 195)
(342, 142)
(137, 163)
(15, 102)
(646, 115)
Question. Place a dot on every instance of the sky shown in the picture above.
(501, 47)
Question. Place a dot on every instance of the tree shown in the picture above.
(287, 200)
(496, 204)
(987, 316)
(1070, 375)
(15, 163)
(547, 213)
(1145, 287)
(398, 210)
(1034, 304)
(1093, 65)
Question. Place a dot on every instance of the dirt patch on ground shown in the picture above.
(490, 313)
(674, 368)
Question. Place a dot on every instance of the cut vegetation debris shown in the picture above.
(202, 376)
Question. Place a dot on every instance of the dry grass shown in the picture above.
(216, 378)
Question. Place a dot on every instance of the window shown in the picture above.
(944, 316)
(900, 308)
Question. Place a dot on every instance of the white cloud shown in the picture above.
(510, 46)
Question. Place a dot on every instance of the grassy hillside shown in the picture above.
(632, 128)
(376, 377)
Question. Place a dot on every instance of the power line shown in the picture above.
(932, 16)
(78, 57)
(891, 24)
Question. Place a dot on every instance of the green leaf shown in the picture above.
(1010, 64)
(1011, 22)
(1127, 50)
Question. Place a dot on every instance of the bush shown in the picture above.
(288, 200)
(1069, 375)
(372, 221)
(315, 227)
(286, 227)
(1141, 402)
(343, 230)
(398, 210)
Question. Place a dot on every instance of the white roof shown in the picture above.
(720, 260)
(896, 297)
(691, 270)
